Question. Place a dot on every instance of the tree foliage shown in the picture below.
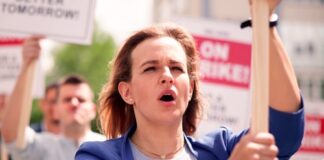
(89, 61)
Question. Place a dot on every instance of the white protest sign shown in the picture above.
(10, 66)
(225, 68)
(64, 20)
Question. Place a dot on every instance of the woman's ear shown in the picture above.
(124, 91)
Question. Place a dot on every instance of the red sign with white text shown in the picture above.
(224, 62)
(313, 140)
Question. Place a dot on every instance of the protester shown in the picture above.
(75, 110)
(151, 105)
(50, 121)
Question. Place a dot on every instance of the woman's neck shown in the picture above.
(158, 140)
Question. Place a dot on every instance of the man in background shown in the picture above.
(50, 121)
(75, 110)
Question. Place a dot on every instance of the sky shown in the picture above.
(121, 17)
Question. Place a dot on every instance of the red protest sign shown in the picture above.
(6, 40)
(313, 140)
(224, 62)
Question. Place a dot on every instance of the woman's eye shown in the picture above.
(149, 69)
(177, 69)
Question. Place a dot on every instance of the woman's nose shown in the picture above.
(166, 76)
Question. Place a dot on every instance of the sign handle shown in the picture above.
(260, 66)
(4, 153)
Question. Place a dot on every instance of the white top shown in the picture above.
(47, 146)
(183, 154)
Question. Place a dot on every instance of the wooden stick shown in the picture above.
(27, 104)
(260, 66)
(4, 153)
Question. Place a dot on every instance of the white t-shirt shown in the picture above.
(47, 146)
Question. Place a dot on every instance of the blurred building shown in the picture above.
(301, 27)
(303, 32)
(208, 9)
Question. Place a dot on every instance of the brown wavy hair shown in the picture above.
(116, 116)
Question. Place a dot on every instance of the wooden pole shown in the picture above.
(26, 103)
(260, 66)
(4, 153)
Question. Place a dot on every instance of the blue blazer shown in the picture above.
(287, 128)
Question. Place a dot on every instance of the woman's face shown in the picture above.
(160, 88)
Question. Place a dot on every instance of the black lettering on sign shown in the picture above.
(9, 67)
(43, 2)
(39, 10)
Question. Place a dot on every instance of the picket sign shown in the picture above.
(63, 20)
(260, 66)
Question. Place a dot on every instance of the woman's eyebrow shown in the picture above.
(149, 62)
(175, 62)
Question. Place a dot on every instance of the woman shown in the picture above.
(151, 105)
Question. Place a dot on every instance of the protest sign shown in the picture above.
(65, 20)
(225, 68)
(313, 142)
(10, 66)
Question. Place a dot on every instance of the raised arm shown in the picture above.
(10, 124)
(284, 91)
(285, 97)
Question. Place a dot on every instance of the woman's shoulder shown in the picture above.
(98, 150)
(217, 144)
(222, 135)
(112, 143)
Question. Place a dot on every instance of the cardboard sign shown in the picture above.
(225, 70)
(65, 20)
(10, 66)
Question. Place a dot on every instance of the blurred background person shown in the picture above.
(75, 109)
(47, 104)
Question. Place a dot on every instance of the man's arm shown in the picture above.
(10, 124)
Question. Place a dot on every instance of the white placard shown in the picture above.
(64, 20)
(10, 66)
